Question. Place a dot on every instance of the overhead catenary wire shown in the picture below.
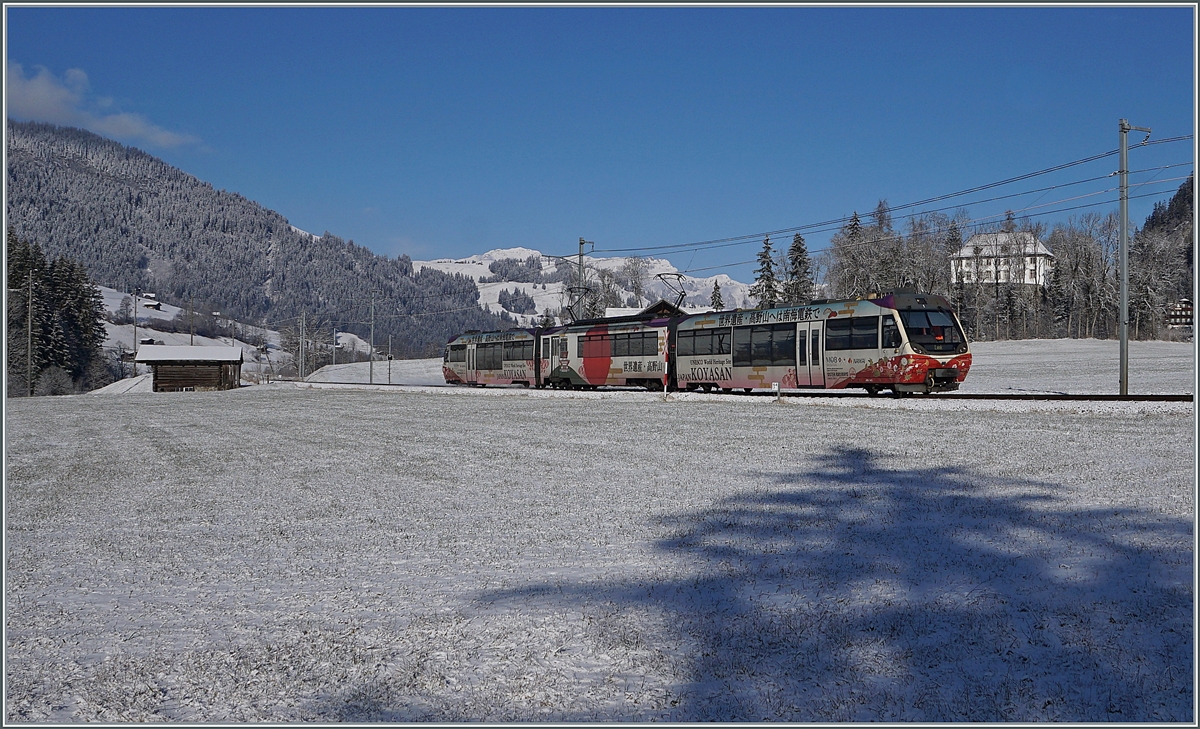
(744, 239)
(824, 226)
(974, 223)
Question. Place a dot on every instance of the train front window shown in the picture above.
(933, 331)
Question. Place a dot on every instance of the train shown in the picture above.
(903, 342)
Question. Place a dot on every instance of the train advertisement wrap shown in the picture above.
(904, 342)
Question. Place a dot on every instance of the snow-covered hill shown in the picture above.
(553, 295)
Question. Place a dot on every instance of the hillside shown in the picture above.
(548, 285)
(135, 221)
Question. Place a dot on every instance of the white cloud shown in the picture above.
(44, 97)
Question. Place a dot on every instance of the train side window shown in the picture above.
(563, 347)
(837, 334)
(864, 332)
(816, 347)
(621, 345)
(686, 344)
(488, 356)
(545, 346)
(722, 340)
(761, 351)
(526, 350)
(650, 344)
(801, 347)
(704, 342)
(741, 347)
(890, 332)
(783, 345)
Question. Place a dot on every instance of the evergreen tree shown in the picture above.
(717, 302)
(766, 287)
(799, 286)
(53, 306)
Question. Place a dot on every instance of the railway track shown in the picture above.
(1058, 396)
(1014, 396)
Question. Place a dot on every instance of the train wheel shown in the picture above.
(726, 389)
(747, 389)
(873, 390)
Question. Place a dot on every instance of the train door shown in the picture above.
(471, 375)
(810, 369)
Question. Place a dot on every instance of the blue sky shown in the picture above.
(442, 132)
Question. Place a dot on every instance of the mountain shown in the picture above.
(134, 221)
(545, 280)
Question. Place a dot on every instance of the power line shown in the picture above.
(742, 239)
(975, 223)
(962, 205)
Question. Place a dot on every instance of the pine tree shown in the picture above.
(717, 302)
(766, 287)
(66, 325)
(799, 287)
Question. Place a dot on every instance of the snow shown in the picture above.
(136, 384)
(320, 552)
(166, 353)
(554, 296)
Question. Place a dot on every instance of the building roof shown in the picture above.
(175, 353)
(993, 245)
(660, 308)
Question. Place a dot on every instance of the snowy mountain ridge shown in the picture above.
(553, 295)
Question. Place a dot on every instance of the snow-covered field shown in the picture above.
(302, 551)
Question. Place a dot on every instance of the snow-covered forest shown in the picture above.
(135, 222)
(1081, 299)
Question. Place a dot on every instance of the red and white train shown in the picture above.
(903, 342)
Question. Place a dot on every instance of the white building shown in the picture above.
(1002, 257)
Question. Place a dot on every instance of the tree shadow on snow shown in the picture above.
(859, 592)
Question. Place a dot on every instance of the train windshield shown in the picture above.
(934, 331)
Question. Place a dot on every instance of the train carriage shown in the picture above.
(600, 353)
(905, 342)
(492, 358)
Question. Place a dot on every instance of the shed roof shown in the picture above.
(175, 353)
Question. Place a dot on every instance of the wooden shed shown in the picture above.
(178, 368)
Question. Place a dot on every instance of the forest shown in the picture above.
(134, 222)
(54, 328)
(1079, 299)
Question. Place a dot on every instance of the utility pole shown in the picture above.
(135, 339)
(389, 359)
(579, 287)
(191, 314)
(1125, 128)
(371, 366)
(582, 242)
(29, 348)
(333, 349)
(300, 369)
